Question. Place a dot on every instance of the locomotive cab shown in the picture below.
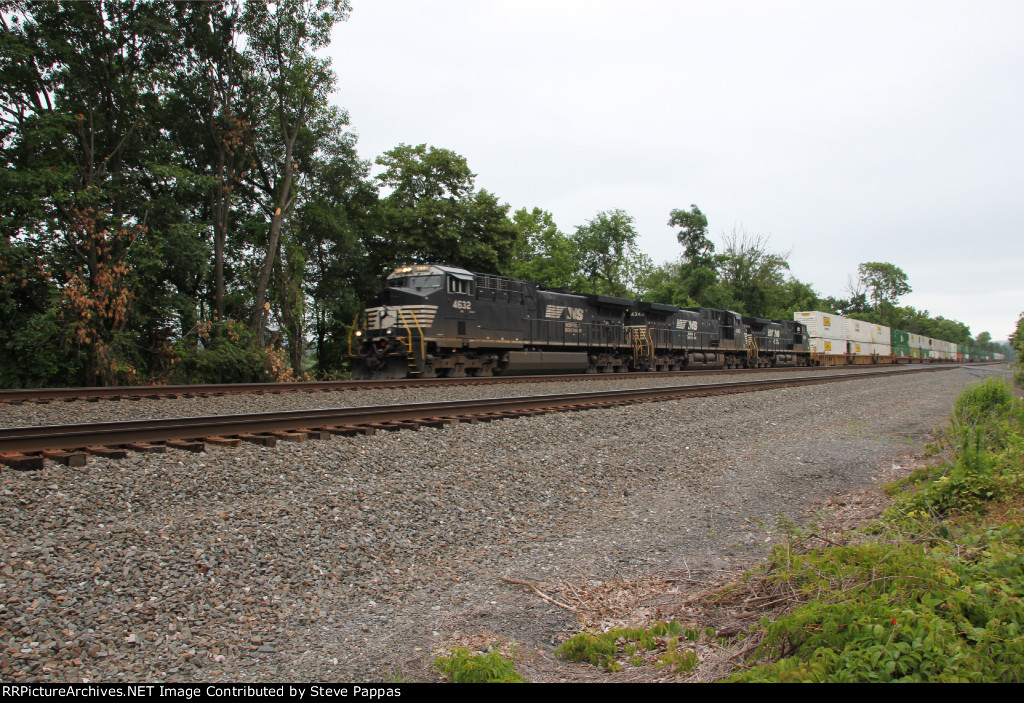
(401, 324)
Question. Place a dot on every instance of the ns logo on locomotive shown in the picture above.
(434, 320)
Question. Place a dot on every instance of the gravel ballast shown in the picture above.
(104, 410)
(355, 558)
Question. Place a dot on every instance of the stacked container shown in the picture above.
(881, 340)
(827, 332)
(914, 341)
(858, 337)
(900, 343)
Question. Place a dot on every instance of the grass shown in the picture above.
(931, 592)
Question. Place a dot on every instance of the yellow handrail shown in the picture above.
(752, 348)
(643, 344)
(401, 316)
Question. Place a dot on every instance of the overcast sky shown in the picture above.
(848, 131)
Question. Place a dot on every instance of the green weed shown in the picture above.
(604, 648)
(462, 666)
(942, 600)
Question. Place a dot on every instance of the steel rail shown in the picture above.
(62, 437)
(21, 395)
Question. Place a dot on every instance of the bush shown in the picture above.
(225, 352)
(945, 602)
(904, 613)
(465, 667)
(604, 648)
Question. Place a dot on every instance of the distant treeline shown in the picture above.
(182, 203)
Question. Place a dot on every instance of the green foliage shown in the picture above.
(885, 282)
(944, 601)
(462, 666)
(698, 250)
(543, 254)
(1017, 344)
(604, 649)
(225, 352)
(433, 214)
(153, 155)
(755, 275)
(986, 433)
(608, 258)
(901, 613)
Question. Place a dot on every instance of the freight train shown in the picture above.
(434, 320)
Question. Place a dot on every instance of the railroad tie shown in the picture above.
(261, 439)
(145, 448)
(350, 430)
(188, 445)
(289, 436)
(223, 441)
(66, 458)
(107, 452)
(22, 462)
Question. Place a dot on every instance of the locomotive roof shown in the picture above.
(431, 268)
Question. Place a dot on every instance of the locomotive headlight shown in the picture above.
(389, 332)
(359, 333)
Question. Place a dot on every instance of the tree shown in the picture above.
(608, 258)
(885, 283)
(543, 253)
(83, 154)
(433, 214)
(332, 224)
(698, 250)
(857, 289)
(753, 273)
(693, 279)
(282, 41)
(1017, 345)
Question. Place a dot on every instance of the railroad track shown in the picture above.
(27, 448)
(114, 393)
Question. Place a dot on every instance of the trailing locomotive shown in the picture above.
(434, 320)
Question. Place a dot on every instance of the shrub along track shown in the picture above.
(26, 448)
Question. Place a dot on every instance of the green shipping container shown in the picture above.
(900, 342)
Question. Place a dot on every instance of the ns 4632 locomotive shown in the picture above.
(434, 320)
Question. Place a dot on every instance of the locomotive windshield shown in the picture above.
(431, 282)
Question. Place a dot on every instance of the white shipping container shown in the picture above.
(915, 341)
(823, 325)
(859, 348)
(880, 334)
(858, 330)
(824, 345)
(881, 349)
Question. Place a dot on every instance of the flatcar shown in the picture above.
(434, 320)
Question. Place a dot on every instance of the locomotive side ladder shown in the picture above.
(416, 360)
(752, 351)
(643, 347)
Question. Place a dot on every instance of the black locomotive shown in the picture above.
(434, 320)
